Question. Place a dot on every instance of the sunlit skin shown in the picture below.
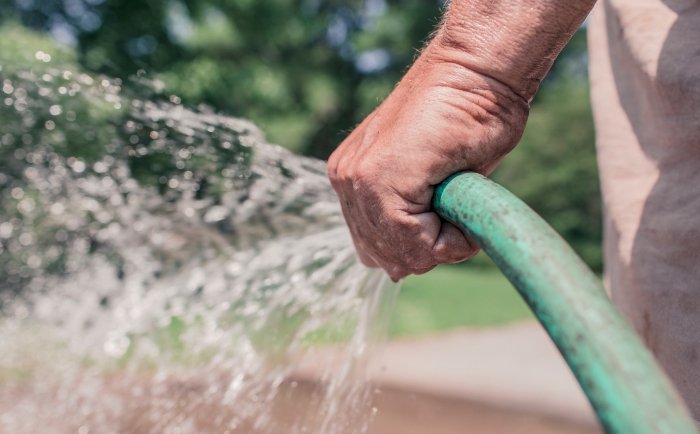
(463, 105)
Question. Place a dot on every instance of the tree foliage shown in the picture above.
(305, 70)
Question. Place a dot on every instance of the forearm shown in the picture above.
(512, 41)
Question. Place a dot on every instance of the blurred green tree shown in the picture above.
(305, 70)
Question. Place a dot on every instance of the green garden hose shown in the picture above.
(623, 382)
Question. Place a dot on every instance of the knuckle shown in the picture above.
(364, 174)
(332, 170)
(341, 179)
(417, 260)
(455, 255)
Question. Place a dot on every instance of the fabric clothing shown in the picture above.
(645, 89)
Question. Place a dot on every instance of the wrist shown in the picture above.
(513, 42)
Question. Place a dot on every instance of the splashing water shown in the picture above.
(164, 270)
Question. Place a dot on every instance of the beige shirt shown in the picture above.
(645, 88)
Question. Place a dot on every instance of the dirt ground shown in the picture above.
(401, 412)
(183, 408)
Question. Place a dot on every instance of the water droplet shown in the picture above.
(6, 230)
(78, 166)
(26, 206)
(61, 235)
(21, 312)
(26, 239)
(17, 193)
(57, 208)
(34, 261)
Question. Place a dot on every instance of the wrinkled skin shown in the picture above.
(440, 119)
(459, 107)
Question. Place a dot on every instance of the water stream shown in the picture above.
(165, 270)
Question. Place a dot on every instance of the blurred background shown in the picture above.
(306, 72)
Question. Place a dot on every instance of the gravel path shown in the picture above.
(515, 368)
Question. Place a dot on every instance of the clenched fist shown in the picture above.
(463, 105)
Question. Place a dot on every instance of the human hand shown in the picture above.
(463, 105)
(441, 119)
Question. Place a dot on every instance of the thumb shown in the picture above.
(452, 245)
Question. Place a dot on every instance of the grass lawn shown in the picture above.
(453, 296)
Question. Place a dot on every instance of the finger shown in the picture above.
(419, 272)
(366, 259)
(416, 249)
(395, 272)
(362, 249)
(452, 245)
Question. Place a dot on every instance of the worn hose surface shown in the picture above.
(622, 380)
